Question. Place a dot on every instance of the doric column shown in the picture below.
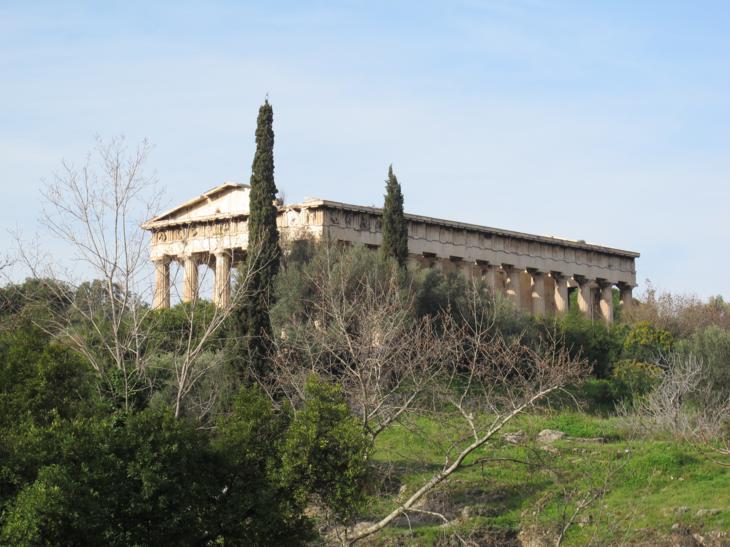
(606, 301)
(161, 299)
(560, 293)
(470, 271)
(466, 267)
(585, 296)
(538, 292)
(222, 283)
(490, 276)
(513, 284)
(190, 281)
(627, 298)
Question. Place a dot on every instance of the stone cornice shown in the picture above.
(315, 203)
(158, 224)
(161, 222)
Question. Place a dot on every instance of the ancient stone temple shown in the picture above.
(537, 272)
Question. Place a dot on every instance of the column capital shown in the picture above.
(557, 276)
(189, 257)
(604, 283)
(627, 298)
(625, 285)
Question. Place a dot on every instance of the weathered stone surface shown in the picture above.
(707, 512)
(549, 436)
(533, 536)
(515, 437)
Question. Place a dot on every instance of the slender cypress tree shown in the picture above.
(395, 227)
(252, 321)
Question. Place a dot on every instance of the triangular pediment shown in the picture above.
(224, 201)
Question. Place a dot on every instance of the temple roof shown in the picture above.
(229, 200)
(317, 202)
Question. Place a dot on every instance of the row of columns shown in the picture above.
(190, 263)
(529, 288)
(594, 296)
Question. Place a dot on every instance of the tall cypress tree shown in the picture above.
(395, 227)
(252, 321)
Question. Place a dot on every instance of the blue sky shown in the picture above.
(603, 121)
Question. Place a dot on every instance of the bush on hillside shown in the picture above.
(647, 343)
(326, 452)
(712, 346)
(631, 378)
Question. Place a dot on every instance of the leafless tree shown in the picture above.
(578, 502)
(491, 380)
(5, 262)
(683, 404)
(362, 335)
(680, 314)
(192, 358)
(95, 211)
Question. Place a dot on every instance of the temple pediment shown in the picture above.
(224, 201)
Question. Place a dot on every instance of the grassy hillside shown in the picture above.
(634, 491)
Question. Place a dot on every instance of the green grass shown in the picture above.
(644, 482)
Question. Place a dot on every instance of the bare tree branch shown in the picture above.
(96, 211)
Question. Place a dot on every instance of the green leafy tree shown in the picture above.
(326, 451)
(648, 343)
(395, 226)
(302, 286)
(262, 509)
(437, 292)
(137, 479)
(632, 378)
(41, 514)
(34, 300)
(252, 321)
(593, 340)
(41, 380)
(148, 478)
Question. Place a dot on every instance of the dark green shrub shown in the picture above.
(712, 346)
(599, 395)
(631, 378)
(647, 343)
(149, 479)
(41, 380)
(592, 340)
(326, 451)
